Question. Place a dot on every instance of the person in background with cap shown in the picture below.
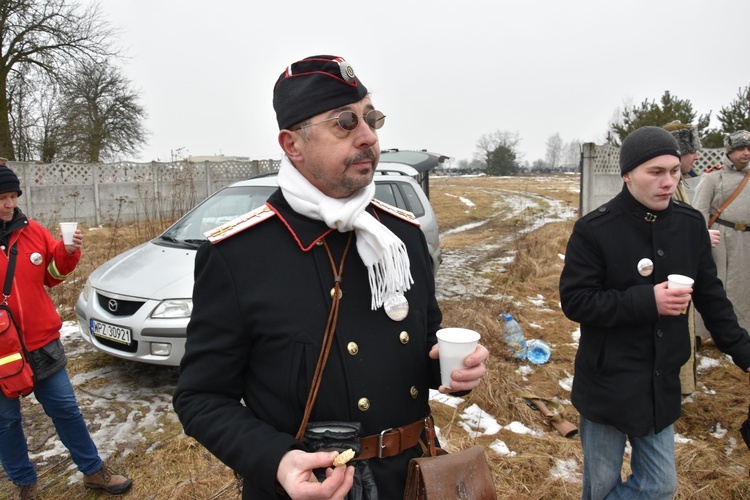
(689, 145)
(42, 261)
(732, 255)
(634, 336)
(265, 286)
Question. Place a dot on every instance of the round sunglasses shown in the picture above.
(349, 121)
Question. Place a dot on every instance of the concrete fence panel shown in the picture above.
(95, 194)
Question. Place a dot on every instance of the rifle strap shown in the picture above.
(729, 200)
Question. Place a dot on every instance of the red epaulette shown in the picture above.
(711, 169)
(401, 214)
(239, 224)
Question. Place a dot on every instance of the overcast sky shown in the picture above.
(444, 72)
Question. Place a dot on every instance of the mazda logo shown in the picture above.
(112, 305)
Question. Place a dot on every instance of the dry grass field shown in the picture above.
(503, 248)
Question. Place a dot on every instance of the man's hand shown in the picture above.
(77, 242)
(468, 379)
(715, 235)
(671, 302)
(295, 474)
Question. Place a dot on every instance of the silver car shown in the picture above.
(137, 305)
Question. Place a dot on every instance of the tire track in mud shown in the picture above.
(460, 274)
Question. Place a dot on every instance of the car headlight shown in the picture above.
(86, 290)
(173, 308)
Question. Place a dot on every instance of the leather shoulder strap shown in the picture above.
(729, 200)
(12, 253)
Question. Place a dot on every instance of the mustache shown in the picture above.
(365, 154)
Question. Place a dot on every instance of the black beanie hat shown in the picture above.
(645, 143)
(9, 181)
(312, 86)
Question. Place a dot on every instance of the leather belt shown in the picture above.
(391, 442)
(737, 226)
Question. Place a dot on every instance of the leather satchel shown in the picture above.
(464, 475)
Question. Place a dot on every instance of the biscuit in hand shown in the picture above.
(343, 457)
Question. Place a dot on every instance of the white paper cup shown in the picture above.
(679, 281)
(68, 229)
(454, 344)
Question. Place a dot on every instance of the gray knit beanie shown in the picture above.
(645, 143)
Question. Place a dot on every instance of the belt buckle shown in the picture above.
(740, 227)
(381, 446)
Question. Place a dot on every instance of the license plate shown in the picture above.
(111, 332)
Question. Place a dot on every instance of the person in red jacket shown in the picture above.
(42, 261)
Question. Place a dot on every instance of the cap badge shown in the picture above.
(347, 72)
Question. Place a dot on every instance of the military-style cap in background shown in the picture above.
(312, 86)
(645, 143)
(685, 135)
(739, 139)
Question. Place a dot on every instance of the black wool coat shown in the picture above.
(629, 357)
(261, 302)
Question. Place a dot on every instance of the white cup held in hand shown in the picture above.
(454, 344)
(68, 229)
(679, 281)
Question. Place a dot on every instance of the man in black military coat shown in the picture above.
(321, 256)
(634, 335)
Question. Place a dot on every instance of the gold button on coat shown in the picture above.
(353, 348)
(404, 337)
(414, 392)
(363, 404)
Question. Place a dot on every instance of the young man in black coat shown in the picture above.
(634, 335)
(264, 291)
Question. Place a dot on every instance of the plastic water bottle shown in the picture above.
(537, 351)
(513, 337)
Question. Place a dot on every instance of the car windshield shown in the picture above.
(222, 207)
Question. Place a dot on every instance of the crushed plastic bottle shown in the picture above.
(513, 336)
(538, 351)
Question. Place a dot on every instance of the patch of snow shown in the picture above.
(501, 448)
(566, 469)
(479, 423)
(719, 432)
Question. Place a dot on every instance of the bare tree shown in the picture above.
(488, 143)
(554, 150)
(44, 35)
(572, 154)
(100, 115)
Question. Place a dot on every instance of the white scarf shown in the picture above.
(382, 252)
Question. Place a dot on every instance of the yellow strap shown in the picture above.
(9, 359)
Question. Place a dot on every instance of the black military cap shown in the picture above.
(312, 86)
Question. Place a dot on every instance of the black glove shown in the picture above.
(340, 436)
